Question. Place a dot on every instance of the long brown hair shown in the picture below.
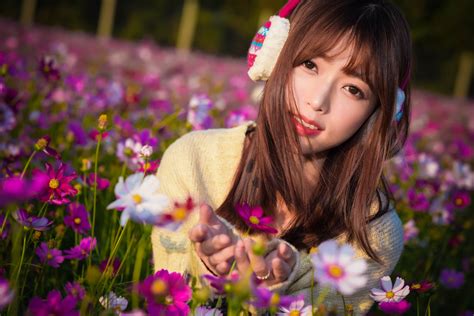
(351, 176)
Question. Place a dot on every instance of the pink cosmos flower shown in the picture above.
(48, 67)
(395, 308)
(206, 311)
(43, 145)
(461, 199)
(253, 216)
(337, 267)
(390, 293)
(83, 250)
(177, 216)
(59, 187)
(266, 299)
(421, 287)
(218, 283)
(296, 308)
(451, 278)
(77, 218)
(166, 293)
(75, 290)
(16, 189)
(52, 257)
(54, 304)
(6, 293)
(31, 221)
(102, 183)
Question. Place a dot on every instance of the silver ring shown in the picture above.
(265, 277)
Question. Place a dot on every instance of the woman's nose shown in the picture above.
(320, 98)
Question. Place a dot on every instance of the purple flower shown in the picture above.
(166, 293)
(16, 189)
(6, 294)
(7, 118)
(77, 218)
(83, 250)
(80, 136)
(240, 116)
(218, 283)
(102, 183)
(53, 305)
(198, 112)
(397, 308)
(75, 290)
(59, 186)
(113, 266)
(451, 278)
(52, 257)
(461, 199)
(48, 67)
(266, 299)
(43, 145)
(417, 201)
(253, 216)
(32, 222)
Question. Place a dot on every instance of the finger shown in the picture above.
(281, 270)
(241, 259)
(212, 245)
(199, 233)
(207, 215)
(223, 268)
(258, 263)
(223, 255)
(287, 254)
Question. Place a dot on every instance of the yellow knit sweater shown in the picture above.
(202, 164)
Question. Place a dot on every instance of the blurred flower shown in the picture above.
(113, 267)
(59, 186)
(53, 305)
(410, 231)
(296, 308)
(421, 287)
(388, 293)
(219, 283)
(253, 217)
(461, 175)
(7, 118)
(102, 183)
(102, 122)
(6, 293)
(146, 151)
(77, 218)
(172, 220)
(83, 250)
(240, 116)
(451, 278)
(338, 268)
(461, 199)
(395, 308)
(207, 311)
(130, 153)
(80, 136)
(428, 167)
(114, 302)
(75, 290)
(266, 299)
(16, 189)
(166, 293)
(198, 111)
(30, 221)
(138, 198)
(417, 200)
(76, 83)
(42, 144)
(95, 135)
(135, 312)
(51, 257)
(148, 166)
(49, 68)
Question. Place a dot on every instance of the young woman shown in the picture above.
(332, 112)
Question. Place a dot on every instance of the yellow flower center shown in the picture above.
(41, 144)
(179, 214)
(137, 198)
(53, 183)
(77, 221)
(254, 220)
(49, 256)
(168, 300)
(275, 299)
(458, 201)
(335, 271)
(416, 286)
(294, 312)
(389, 294)
(159, 287)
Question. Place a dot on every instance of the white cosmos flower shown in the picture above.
(139, 199)
(207, 311)
(296, 308)
(337, 267)
(388, 293)
(114, 302)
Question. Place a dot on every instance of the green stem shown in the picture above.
(136, 272)
(417, 306)
(344, 303)
(96, 162)
(27, 164)
(428, 308)
(168, 119)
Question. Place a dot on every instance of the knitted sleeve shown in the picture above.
(386, 237)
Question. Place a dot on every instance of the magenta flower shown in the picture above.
(199, 112)
(6, 293)
(30, 221)
(461, 199)
(417, 201)
(421, 287)
(51, 257)
(77, 218)
(102, 183)
(48, 67)
(75, 290)
(253, 216)
(16, 189)
(53, 305)
(166, 293)
(59, 187)
(43, 145)
(397, 308)
(218, 283)
(266, 299)
(114, 266)
(83, 250)
(451, 278)
(173, 219)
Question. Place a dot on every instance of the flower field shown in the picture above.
(83, 124)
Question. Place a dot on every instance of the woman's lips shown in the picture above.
(305, 128)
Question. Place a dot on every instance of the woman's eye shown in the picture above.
(355, 91)
(309, 65)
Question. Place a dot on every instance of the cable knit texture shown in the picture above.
(201, 164)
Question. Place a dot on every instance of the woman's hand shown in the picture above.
(277, 264)
(214, 242)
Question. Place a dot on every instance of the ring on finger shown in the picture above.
(265, 277)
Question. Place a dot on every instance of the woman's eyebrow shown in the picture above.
(354, 73)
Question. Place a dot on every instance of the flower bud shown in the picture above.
(102, 122)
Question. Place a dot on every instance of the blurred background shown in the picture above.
(442, 30)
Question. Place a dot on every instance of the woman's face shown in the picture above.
(332, 104)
